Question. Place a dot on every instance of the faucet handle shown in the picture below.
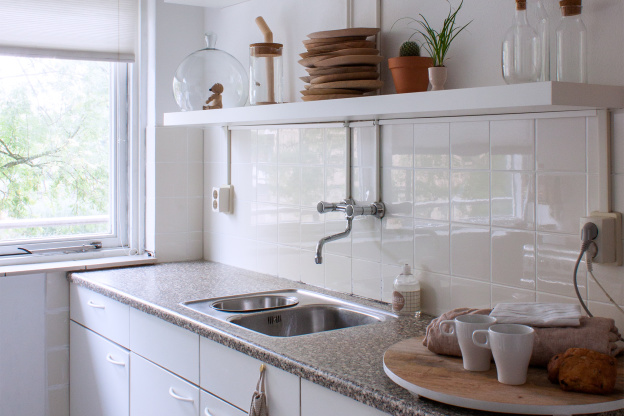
(323, 207)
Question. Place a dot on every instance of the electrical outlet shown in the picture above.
(222, 199)
(609, 239)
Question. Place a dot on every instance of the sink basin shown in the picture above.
(304, 320)
(287, 313)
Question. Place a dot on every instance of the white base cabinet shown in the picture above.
(213, 406)
(99, 372)
(317, 400)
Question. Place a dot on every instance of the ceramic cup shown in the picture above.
(512, 346)
(475, 358)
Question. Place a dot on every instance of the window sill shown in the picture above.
(76, 265)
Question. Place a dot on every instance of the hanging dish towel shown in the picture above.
(259, 399)
(538, 314)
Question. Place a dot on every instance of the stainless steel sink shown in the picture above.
(288, 313)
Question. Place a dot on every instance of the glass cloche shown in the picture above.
(203, 69)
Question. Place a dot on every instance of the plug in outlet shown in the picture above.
(222, 199)
(609, 239)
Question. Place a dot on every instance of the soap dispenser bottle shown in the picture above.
(406, 294)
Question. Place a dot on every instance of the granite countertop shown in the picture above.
(348, 361)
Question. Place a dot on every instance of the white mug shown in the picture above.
(475, 358)
(512, 346)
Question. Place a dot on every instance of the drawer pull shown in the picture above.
(95, 305)
(173, 394)
(207, 412)
(111, 360)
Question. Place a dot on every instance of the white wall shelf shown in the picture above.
(506, 99)
(212, 4)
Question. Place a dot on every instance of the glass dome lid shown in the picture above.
(204, 68)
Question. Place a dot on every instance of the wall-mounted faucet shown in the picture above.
(378, 209)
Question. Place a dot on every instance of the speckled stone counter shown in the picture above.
(348, 361)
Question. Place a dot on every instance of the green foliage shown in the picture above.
(55, 146)
(409, 48)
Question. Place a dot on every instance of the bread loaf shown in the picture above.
(583, 370)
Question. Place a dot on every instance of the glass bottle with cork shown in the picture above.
(571, 37)
(521, 50)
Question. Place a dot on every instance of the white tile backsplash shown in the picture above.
(485, 208)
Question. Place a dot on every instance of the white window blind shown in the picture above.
(103, 30)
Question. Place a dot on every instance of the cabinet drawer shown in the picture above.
(317, 400)
(103, 315)
(155, 391)
(99, 371)
(213, 406)
(165, 344)
(233, 376)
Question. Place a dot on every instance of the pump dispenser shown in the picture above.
(406, 295)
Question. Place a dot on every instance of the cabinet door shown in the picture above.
(99, 371)
(155, 391)
(317, 400)
(213, 406)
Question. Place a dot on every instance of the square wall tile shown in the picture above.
(337, 273)
(470, 252)
(466, 293)
(242, 146)
(267, 260)
(335, 223)
(195, 174)
(195, 146)
(610, 277)
(561, 144)
(366, 238)
(397, 146)
(470, 197)
(171, 215)
(432, 145)
(215, 174)
(363, 188)
(506, 294)
(397, 240)
(335, 184)
(289, 185)
(617, 141)
(363, 147)
(171, 180)
(266, 183)
(513, 258)
(336, 147)
(513, 200)
(432, 246)
(470, 145)
(288, 263)
(512, 144)
(170, 144)
(312, 145)
(289, 226)
(195, 222)
(389, 272)
(431, 194)
(288, 150)
(556, 256)
(561, 202)
(267, 145)
(215, 145)
(398, 191)
(266, 222)
(366, 279)
(617, 195)
(312, 228)
(435, 293)
(311, 273)
(244, 181)
(312, 185)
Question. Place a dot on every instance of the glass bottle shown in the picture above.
(521, 50)
(406, 294)
(543, 31)
(571, 43)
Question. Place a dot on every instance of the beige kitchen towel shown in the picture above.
(598, 334)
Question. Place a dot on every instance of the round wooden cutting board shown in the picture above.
(356, 31)
(328, 97)
(412, 366)
(364, 85)
(319, 79)
(341, 69)
(348, 60)
(329, 91)
(343, 45)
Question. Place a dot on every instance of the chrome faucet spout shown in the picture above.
(319, 246)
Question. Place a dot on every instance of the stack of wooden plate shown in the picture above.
(340, 64)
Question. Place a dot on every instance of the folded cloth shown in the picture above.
(598, 334)
(538, 314)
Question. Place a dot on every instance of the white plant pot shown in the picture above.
(437, 77)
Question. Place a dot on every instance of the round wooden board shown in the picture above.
(341, 70)
(320, 79)
(328, 97)
(349, 60)
(312, 43)
(355, 31)
(342, 45)
(412, 366)
(312, 61)
(307, 79)
(343, 52)
(331, 91)
(364, 84)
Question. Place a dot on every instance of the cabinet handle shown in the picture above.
(207, 412)
(95, 305)
(111, 360)
(173, 394)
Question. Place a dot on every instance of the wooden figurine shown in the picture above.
(216, 99)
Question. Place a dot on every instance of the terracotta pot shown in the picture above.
(437, 77)
(410, 73)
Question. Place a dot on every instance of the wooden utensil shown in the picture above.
(326, 91)
(365, 85)
(349, 60)
(341, 69)
(328, 97)
(268, 38)
(355, 31)
(343, 77)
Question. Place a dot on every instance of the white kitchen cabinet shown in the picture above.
(155, 391)
(99, 375)
(233, 376)
(213, 406)
(166, 344)
(317, 400)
